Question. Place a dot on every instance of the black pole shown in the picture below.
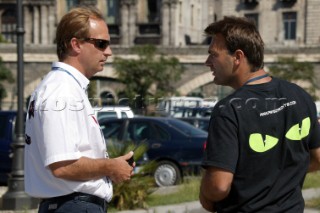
(16, 198)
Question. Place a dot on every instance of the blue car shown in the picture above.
(7, 130)
(176, 146)
(201, 123)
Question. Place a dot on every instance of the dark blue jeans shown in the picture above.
(71, 206)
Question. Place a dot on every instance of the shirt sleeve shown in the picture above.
(60, 128)
(222, 144)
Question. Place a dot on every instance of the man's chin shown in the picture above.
(100, 69)
(219, 83)
(216, 81)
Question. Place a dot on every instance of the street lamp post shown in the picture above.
(16, 198)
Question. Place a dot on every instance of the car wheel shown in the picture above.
(167, 174)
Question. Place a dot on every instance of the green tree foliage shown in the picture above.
(5, 75)
(92, 91)
(2, 39)
(150, 76)
(92, 88)
(292, 70)
(132, 194)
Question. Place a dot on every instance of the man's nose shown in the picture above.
(207, 62)
(108, 51)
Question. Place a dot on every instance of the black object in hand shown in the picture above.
(130, 161)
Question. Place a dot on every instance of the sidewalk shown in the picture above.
(190, 207)
(195, 206)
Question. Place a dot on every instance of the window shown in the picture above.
(254, 17)
(185, 128)
(124, 115)
(111, 130)
(139, 131)
(290, 25)
(251, 2)
(71, 4)
(162, 134)
(144, 131)
(154, 11)
(113, 11)
(8, 26)
(106, 97)
(288, 1)
(103, 115)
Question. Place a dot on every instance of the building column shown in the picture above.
(132, 21)
(173, 25)
(27, 25)
(142, 11)
(36, 26)
(165, 26)
(124, 28)
(128, 21)
(169, 22)
(52, 28)
(44, 24)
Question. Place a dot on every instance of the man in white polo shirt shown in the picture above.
(66, 164)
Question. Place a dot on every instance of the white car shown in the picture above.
(113, 112)
(166, 107)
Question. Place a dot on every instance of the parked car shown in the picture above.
(201, 123)
(184, 112)
(167, 106)
(113, 112)
(189, 106)
(176, 146)
(7, 131)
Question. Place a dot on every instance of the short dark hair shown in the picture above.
(240, 33)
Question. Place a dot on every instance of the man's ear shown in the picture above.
(238, 56)
(75, 45)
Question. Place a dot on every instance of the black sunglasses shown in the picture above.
(98, 43)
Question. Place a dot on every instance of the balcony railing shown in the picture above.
(148, 33)
(114, 31)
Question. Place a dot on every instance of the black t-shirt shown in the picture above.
(262, 134)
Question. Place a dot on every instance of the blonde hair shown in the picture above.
(74, 24)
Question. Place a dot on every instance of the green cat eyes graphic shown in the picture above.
(257, 143)
(295, 133)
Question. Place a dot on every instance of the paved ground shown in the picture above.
(190, 207)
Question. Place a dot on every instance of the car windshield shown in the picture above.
(186, 127)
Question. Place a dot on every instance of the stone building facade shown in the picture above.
(288, 27)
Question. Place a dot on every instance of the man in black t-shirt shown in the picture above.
(263, 138)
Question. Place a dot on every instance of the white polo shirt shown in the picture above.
(60, 126)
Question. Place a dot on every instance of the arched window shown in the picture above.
(8, 25)
(107, 98)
